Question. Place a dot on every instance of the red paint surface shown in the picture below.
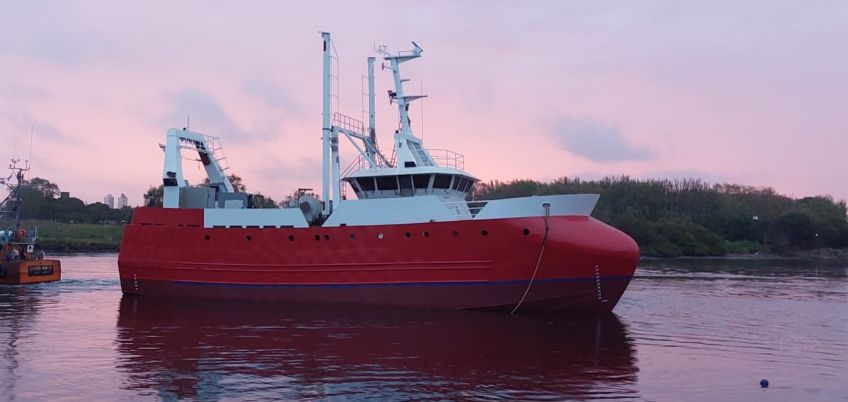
(167, 252)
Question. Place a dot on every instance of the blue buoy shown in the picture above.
(764, 383)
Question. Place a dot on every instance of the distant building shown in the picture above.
(109, 200)
(122, 201)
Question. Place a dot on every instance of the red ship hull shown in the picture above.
(471, 264)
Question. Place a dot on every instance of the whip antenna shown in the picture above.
(29, 158)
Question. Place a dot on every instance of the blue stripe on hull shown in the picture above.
(400, 284)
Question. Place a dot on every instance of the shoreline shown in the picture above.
(48, 253)
(820, 254)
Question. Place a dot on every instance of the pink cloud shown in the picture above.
(720, 89)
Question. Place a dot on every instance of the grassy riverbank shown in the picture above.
(76, 237)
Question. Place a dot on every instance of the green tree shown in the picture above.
(235, 180)
(153, 196)
(43, 186)
(791, 230)
(263, 201)
(97, 212)
(71, 210)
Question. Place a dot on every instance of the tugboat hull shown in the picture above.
(30, 271)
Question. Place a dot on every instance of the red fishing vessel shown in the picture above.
(409, 238)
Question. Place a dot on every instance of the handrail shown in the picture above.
(348, 123)
(442, 158)
(447, 158)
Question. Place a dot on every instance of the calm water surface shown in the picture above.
(685, 330)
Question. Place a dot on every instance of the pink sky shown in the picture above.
(747, 92)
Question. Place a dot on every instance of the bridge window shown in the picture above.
(366, 183)
(387, 183)
(459, 183)
(355, 187)
(442, 181)
(421, 181)
(405, 181)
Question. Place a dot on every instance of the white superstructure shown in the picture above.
(177, 193)
(414, 185)
(412, 171)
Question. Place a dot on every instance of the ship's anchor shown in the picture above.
(547, 207)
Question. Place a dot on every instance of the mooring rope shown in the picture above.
(547, 207)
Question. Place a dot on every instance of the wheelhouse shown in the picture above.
(387, 183)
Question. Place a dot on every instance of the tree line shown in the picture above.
(40, 199)
(666, 217)
(693, 218)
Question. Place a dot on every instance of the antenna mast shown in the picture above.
(372, 132)
(409, 149)
(29, 158)
(326, 127)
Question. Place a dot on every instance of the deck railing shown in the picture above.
(442, 158)
(348, 123)
(362, 163)
(447, 158)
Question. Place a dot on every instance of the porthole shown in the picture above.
(526, 231)
(426, 234)
(206, 237)
(455, 233)
(326, 237)
(484, 232)
(291, 237)
(380, 236)
(408, 234)
(249, 238)
(317, 237)
(352, 236)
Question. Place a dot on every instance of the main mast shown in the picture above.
(334, 123)
(326, 128)
(409, 150)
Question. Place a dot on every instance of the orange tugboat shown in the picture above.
(22, 261)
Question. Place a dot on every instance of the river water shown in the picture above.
(685, 330)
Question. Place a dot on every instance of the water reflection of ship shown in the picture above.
(191, 349)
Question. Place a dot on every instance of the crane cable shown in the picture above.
(547, 207)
